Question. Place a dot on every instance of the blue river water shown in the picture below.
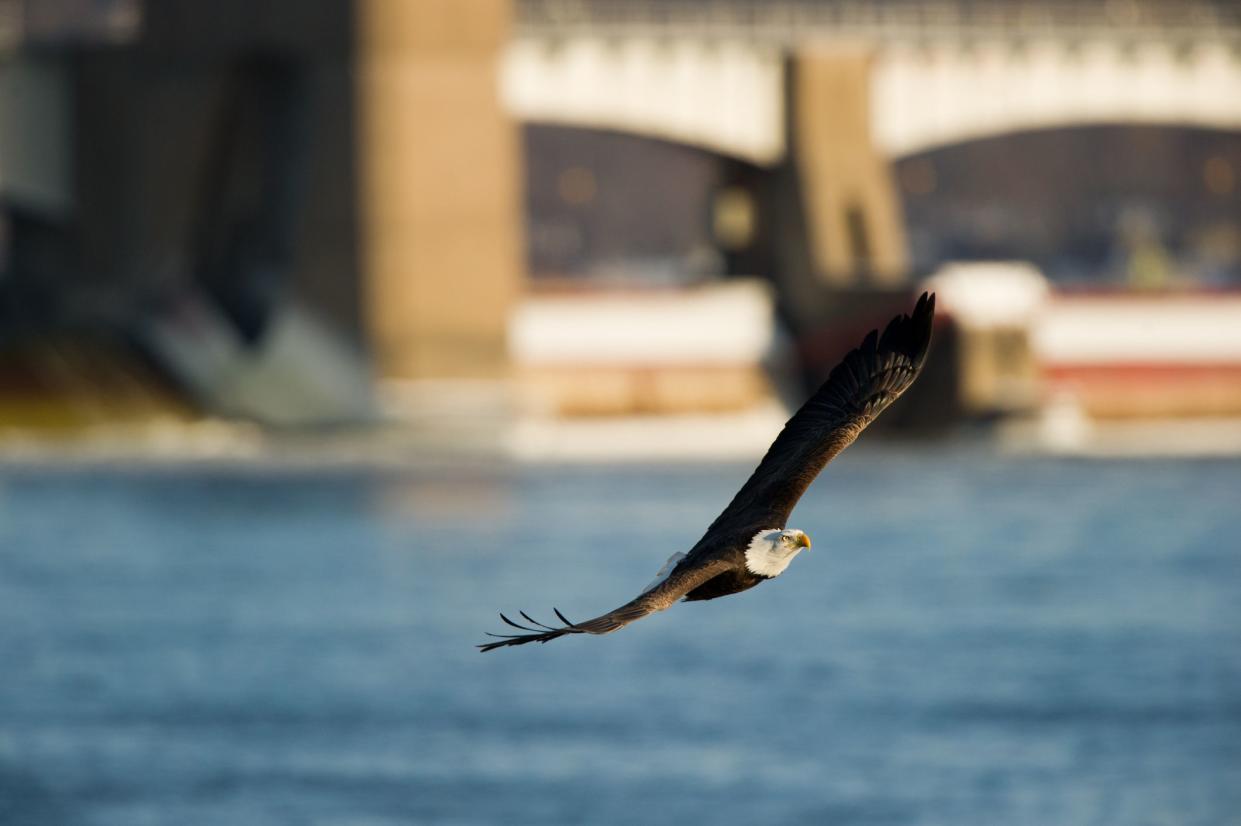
(974, 639)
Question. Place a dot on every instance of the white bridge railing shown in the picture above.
(787, 22)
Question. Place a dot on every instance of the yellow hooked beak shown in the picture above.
(804, 541)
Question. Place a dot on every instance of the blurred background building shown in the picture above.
(310, 213)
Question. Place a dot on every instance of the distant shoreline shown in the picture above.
(727, 438)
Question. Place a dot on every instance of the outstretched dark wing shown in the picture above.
(858, 389)
(683, 579)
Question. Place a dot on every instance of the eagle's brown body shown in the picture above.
(732, 581)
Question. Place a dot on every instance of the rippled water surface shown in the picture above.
(973, 640)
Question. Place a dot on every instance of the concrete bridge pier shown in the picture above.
(837, 246)
(438, 181)
(853, 221)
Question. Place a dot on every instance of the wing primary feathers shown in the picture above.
(888, 339)
(533, 621)
(870, 344)
(515, 625)
(858, 389)
(541, 634)
(679, 583)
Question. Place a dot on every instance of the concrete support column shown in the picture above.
(439, 181)
(853, 215)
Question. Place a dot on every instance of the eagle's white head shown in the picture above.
(771, 551)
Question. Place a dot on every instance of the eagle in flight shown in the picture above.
(748, 543)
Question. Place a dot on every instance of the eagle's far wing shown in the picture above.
(858, 389)
(683, 579)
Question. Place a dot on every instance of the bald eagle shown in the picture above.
(748, 543)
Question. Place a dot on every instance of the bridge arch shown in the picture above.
(723, 96)
(729, 96)
(929, 96)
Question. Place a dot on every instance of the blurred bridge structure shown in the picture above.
(268, 193)
(941, 72)
(838, 88)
